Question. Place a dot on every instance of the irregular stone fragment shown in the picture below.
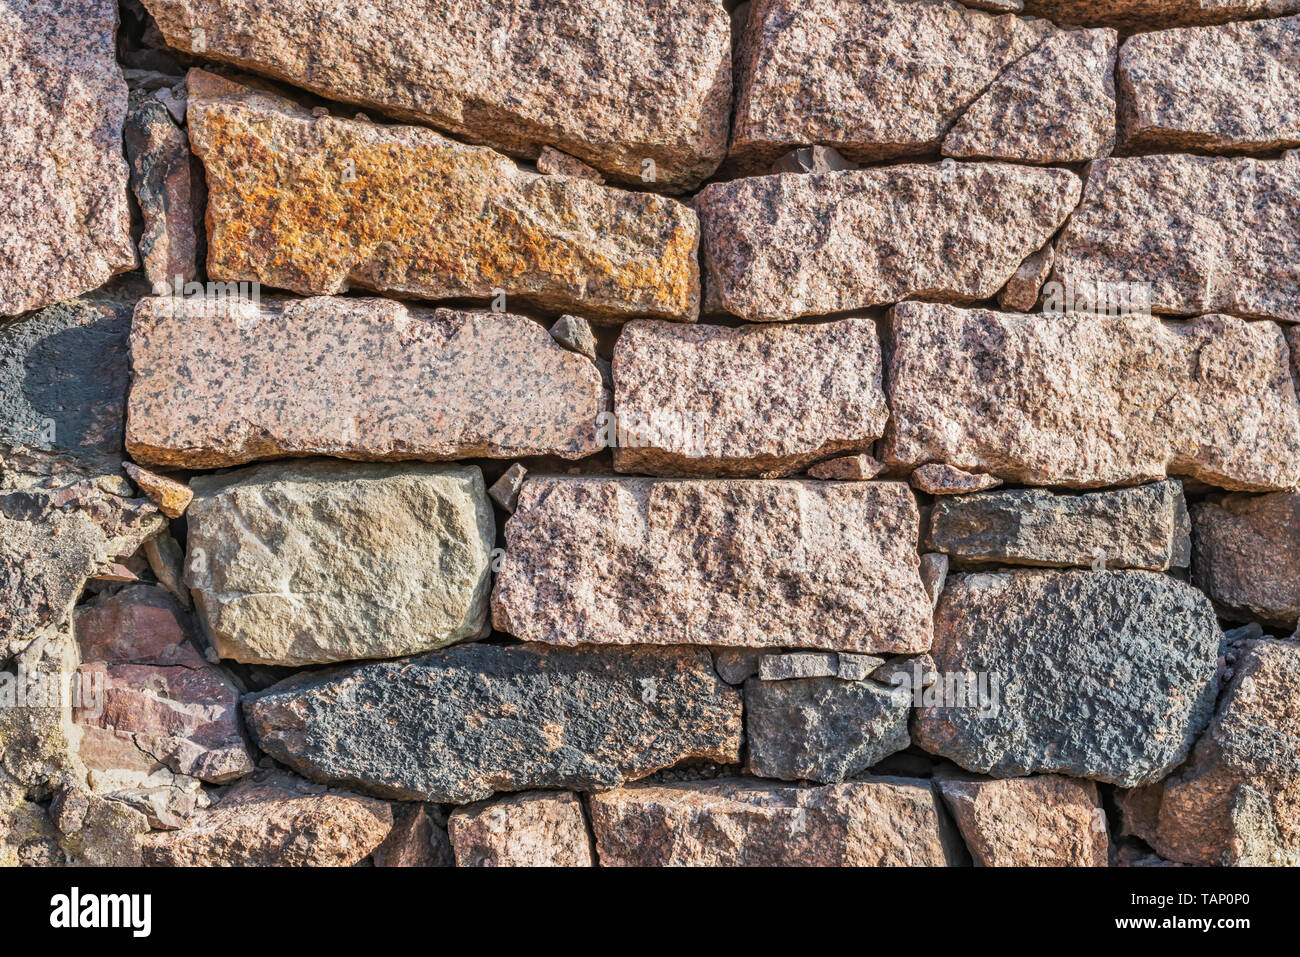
(640, 92)
(224, 381)
(1054, 105)
(416, 840)
(304, 563)
(505, 490)
(875, 79)
(534, 829)
(934, 572)
(789, 564)
(1042, 821)
(65, 218)
(853, 667)
(822, 728)
(1044, 403)
(1141, 527)
(1247, 556)
(554, 163)
(734, 665)
(739, 822)
(1155, 14)
(1022, 290)
(711, 400)
(948, 480)
(995, 6)
(778, 247)
(812, 159)
(799, 664)
(1236, 800)
(575, 333)
(1205, 234)
(909, 674)
(275, 822)
(1102, 675)
(456, 725)
(171, 497)
(847, 468)
(167, 562)
(318, 205)
(167, 185)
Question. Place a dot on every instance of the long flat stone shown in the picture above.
(457, 725)
(1085, 400)
(1156, 14)
(1247, 556)
(1103, 675)
(614, 84)
(739, 563)
(1206, 234)
(318, 204)
(711, 400)
(223, 381)
(788, 245)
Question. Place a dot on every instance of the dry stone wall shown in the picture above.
(492, 433)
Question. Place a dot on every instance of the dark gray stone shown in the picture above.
(457, 725)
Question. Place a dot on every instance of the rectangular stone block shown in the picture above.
(1247, 556)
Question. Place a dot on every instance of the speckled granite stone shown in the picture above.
(614, 83)
(1210, 234)
(1229, 88)
(798, 564)
(847, 468)
(1021, 291)
(533, 829)
(65, 219)
(937, 479)
(1247, 556)
(722, 402)
(223, 381)
(777, 247)
(1081, 401)
(1155, 14)
(319, 204)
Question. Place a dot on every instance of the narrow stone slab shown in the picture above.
(223, 381)
(738, 822)
(533, 829)
(1248, 556)
(849, 468)
(789, 564)
(710, 400)
(1142, 527)
(1209, 234)
(318, 205)
(310, 562)
(946, 480)
(614, 84)
(65, 218)
(777, 247)
(456, 725)
(830, 72)
(1102, 675)
(1042, 403)
(1043, 821)
(1156, 14)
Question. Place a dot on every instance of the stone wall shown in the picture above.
(486, 432)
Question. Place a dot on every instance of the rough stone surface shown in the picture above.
(793, 564)
(416, 840)
(1155, 14)
(1054, 105)
(534, 829)
(303, 563)
(1102, 675)
(1022, 290)
(276, 822)
(1247, 556)
(934, 572)
(711, 400)
(575, 334)
(456, 725)
(554, 163)
(736, 822)
(1210, 234)
(812, 159)
(777, 247)
(613, 84)
(798, 664)
(171, 497)
(1042, 821)
(947, 480)
(221, 382)
(1236, 800)
(1142, 527)
(875, 79)
(318, 204)
(1083, 400)
(822, 729)
(505, 490)
(65, 218)
(847, 468)
(734, 665)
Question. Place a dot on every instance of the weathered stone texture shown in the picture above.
(534, 829)
(798, 564)
(1102, 675)
(778, 247)
(171, 497)
(303, 563)
(456, 725)
(848, 468)
(418, 839)
(722, 402)
(65, 219)
(1142, 527)
(1022, 290)
(613, 84)
(937, 479)
(319, 204)
(225, 381)
(1043, 821)
(1247, 556)
(1156, 14)
(737, 822)
(1083, 400)
(1210, 234)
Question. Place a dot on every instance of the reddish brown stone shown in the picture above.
(1247, 556)
(172, 497)
(533, 829)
